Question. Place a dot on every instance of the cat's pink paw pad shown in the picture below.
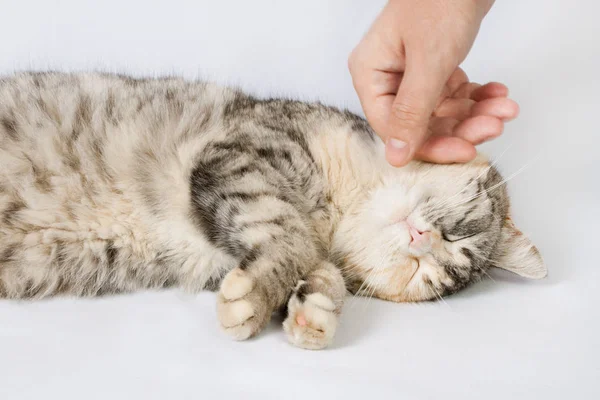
(301, 320)
(311, 324)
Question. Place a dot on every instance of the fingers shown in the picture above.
(459, 87)
(443, 126)
(488, 103)
(478, 129)
(446, 150)
(457, 80)
(475, 130)
(477, 92)
(455, 108)
(398, 106)
(411, 110)
(465, 90)
(502, 108)
(488, 91)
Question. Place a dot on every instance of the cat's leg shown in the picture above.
(245, 197)
(275, 249)
(263, 282)
(314, 308)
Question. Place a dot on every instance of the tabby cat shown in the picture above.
(112, 184)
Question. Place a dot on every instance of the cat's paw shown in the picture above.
(311, 321)
(241, 309)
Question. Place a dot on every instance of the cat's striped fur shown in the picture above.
(112, 184)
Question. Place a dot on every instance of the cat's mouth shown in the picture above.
(411, 276)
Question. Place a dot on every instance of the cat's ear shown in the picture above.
(516, 253)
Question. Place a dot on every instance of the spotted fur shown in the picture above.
(113, 184)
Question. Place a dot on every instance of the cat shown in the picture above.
(112, 184)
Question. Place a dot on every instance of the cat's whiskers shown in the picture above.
(365, 284)
(494, 187)
(440, 297)
(484, 271)
(370, 295)
(492, 164)
(350, 272)
(488, 275)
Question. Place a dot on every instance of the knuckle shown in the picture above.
(352, 61)
(408, 114)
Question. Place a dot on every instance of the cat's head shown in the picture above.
(431, 230)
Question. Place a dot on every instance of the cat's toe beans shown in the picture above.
(241, 332)
(235, 313)
(241, 310)
(311, 324)
(240, 319)
(236, 285)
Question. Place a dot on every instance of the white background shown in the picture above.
(505, 338)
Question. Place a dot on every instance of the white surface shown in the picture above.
(502, 339)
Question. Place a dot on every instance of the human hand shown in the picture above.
(405, 71)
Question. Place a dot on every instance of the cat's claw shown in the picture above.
(242, 312)
(311, 323)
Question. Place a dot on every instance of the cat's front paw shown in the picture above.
(311, 321)
(241, 308)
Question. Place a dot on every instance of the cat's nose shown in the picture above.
(415, 234)
(420, 240)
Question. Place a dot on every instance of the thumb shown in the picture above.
(411, 110)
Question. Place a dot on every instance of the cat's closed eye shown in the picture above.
(456, 238)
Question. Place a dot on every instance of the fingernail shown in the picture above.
(396, 144)
(396, 151)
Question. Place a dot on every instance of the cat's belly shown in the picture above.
(92, 217)
(85, 239)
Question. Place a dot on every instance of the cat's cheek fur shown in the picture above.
(311, 324)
